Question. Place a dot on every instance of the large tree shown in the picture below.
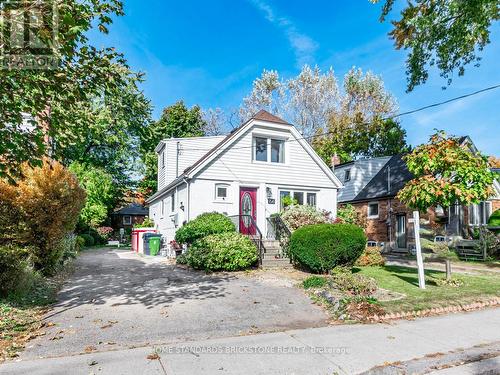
(447, 33)
(43, 111)
(349, 121)
(177, 121)
(446, 173)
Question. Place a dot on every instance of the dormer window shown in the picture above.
(347, 175)
(269, 150)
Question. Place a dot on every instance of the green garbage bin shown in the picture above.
(154, 244)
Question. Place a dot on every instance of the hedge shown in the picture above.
(222, 252)
(322, 247)
(204, 225)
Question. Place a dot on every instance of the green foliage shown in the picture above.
(444, 33)
(204, 225)
(181, 259)
(370, 257)
(322, 247)
(289, 201)
(177, 121)
(68, 247)
(314, 282)
(446, 173)
(14, 268)
(222, 252)
(147, 223)
(79, 243)
(343, 279)
(494, 220)
(88, 239)
(347, 214)
(298, 216)
(102, 194)
(71, 101)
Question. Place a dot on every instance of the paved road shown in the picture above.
(117, 300)
(348, 349)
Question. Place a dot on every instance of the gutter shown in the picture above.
(187, 198)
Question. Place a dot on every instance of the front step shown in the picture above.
(276, 263)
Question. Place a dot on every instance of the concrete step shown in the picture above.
(272, 256)
(275, 263)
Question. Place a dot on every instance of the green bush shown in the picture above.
(79, 243)
(371, 257)
(181, 259)
(222, 252)
(322, 247)
(88, 239)
(204, 225)
(68, 247)
(314, 282)
(147, 223)
(494, 220)
(15, 271)
(343, 279)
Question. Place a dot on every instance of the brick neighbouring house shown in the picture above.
(371, 186)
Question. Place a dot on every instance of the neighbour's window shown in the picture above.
(261, 149)
(373, 210)
(347, 175)
(479, 214)
(277, 151)
(221, 192)
(172, 202)
(299, 197)
(127, 220)
(311, 199)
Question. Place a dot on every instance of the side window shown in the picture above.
(277, 151)
(221, 192)
(127, 220)
(311, 199)
(373, 210)
(347, 175)
(283, 194)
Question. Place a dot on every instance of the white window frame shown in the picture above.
(268, 149)
(368, 210)
(129, 221)
(480, 217)
(172, 202)
(221, 199)
(163, 159)
(292, 193)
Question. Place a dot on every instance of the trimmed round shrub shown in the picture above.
(322, 247)
(204, 225)
(222, 252)
(494, 220)
(88, 239)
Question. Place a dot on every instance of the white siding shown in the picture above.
(236, 163)
(362, 171)
(190, 151)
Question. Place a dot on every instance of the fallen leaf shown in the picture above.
(90, 348)
(93, 363)
(153, 356)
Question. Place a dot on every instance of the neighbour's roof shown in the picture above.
(388, 181)
(134, 209)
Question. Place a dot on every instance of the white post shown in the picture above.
(420, 263)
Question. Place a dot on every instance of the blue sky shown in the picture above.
(209, 52)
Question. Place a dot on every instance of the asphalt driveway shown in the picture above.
(116, 300)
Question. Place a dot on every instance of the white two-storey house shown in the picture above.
(247, 172)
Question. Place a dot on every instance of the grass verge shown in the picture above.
(21, 313)
(471, 288)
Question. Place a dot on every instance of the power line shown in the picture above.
(368, 123)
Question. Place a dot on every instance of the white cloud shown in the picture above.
(303, 45)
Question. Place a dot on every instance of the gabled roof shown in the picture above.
(231, 137)
(133, 209)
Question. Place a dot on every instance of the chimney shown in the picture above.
(335, 161)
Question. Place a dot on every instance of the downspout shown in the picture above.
(187, 198)
(177, 152)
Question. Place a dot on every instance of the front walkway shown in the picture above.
(347, 349)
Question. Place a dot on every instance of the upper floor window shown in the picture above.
(373, 210)
(269, 150)
(347, 175)
(221, 192)
(163, 159)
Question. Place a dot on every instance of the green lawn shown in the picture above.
(405, 280)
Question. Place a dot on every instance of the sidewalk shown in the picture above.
(346, 349)
(462, 267)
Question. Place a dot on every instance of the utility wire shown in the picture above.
(368, 123)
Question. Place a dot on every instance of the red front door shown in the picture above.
(248, 210)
